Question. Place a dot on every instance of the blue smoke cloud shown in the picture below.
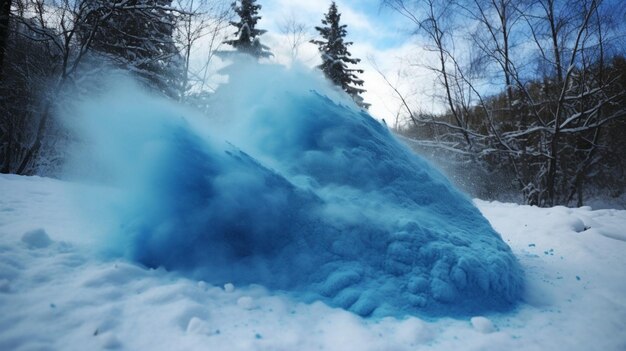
(287, 184)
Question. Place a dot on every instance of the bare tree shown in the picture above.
(202, 27)
(569, 44)
(296, 32)
(64, 31)
(56, 25)
(20, 91)
(545, 132)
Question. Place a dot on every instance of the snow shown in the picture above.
(246, 302)
(482, 324)
(310, 196)
(36, 239)
(63, 297)
(229, 287)
(334, 234)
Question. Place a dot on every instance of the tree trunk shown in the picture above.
(6, 161)
(554, 144)
(5, 16)
(33, 151)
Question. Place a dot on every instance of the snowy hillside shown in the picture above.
(55, 294)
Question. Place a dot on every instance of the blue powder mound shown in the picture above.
(308, 195)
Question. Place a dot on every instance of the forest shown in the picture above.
(302, 175)
(531, 93)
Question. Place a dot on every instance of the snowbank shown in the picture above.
(60, 296)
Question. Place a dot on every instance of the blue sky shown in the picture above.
(367, 20)
(382, 40)
(380, 35)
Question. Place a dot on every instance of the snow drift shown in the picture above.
(288, 185)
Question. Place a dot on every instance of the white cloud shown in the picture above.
(415, 83)
(378, 43)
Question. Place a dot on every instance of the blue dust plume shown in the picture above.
(287, 184)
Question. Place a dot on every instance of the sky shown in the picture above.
(368, 22)
(381, 39)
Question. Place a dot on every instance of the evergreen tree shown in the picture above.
(247, 35)
(335, 56)
(138, 36)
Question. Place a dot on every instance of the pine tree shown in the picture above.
(335, 56)
(138, 36)
(247, 36)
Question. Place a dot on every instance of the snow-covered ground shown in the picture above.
(57, 293)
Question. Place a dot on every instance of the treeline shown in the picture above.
(55, 51)
(535, 96)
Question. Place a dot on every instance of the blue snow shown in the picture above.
(287, 184)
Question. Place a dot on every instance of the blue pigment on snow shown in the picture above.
(298, 192)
